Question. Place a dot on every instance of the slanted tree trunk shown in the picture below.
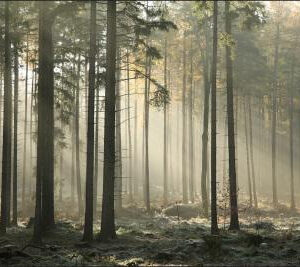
(88, 220)
(274, 118)
(184, 179)
(108, 216)
(251, 153)
(25, 134)
(247, 154)
(118, 165)
(213, 162)
(234, 219)
(15, 163)
(205, 125)
(77, 142)
(165, 198)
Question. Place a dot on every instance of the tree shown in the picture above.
(184, 180)
(15, 162)
(234, 222)
(213, 162)
(7, 125)
(165, 130)
(88, 225)
(108, 217)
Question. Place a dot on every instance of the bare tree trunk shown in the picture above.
(77, 142)
(130, 183)
(234, 219)
(247, 152)
(146, 113)
(108, 215)
(44, 217)
(205, 67)
(191, 134)
(274, 118)
(118, 165)
(184, 179)
(73, 162)
(88, 219)
(136, 175)
(214, 219)
(166, 189)
(15, 163)
(96, 164)
(292, 135)
(251, 153)
(25, 133)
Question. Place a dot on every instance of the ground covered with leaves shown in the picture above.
(177, 235)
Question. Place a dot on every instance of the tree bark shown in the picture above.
(274, 119)
(118, 165)
(205, 126)
(234, 219)
(44, 217)
(191, 134)
(214, 219)
(25, 134)
(15, 163)
(247, 154)
(130, 184)
(251, 153)
(77, 141)
(88, 221)
(165, 198)
(184, 178)
(291, 111)
(108, 216)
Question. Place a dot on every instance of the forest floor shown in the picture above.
(177, 235)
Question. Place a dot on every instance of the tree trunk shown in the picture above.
(25, 134)
(234, 219)
(146, 113)
(214, 219)
(15, 163)
(191, 134)
(118, 165)
(44, 218)
(108, 216)
(205, 126)
(7, 127)
(292, 135)
(31, 127)
(136, 175)
(247, 154)
(130, 184)
(184, 180)
(96, 164)
(77, 142)
(251, 153)
(165, 198)
(88, 221)
(274, 115)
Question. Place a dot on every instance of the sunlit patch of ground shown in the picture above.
(267, 237)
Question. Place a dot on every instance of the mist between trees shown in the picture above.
(112, 105)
